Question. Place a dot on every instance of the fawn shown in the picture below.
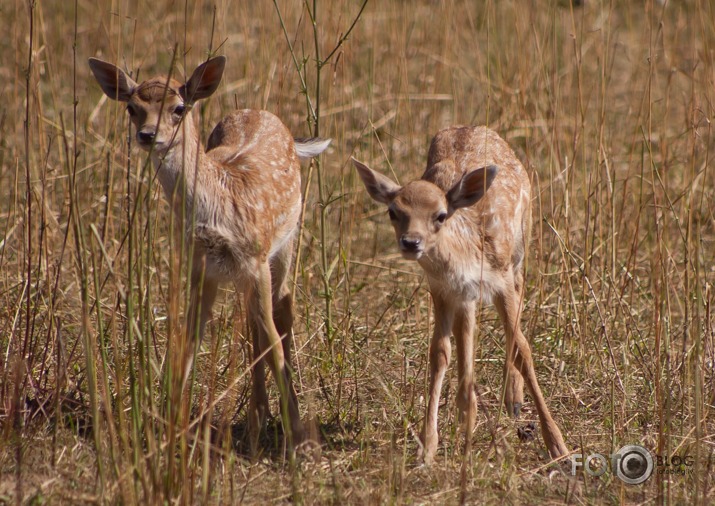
(242, 202)
(467, 222)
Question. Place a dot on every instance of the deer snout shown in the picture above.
(145, 137)
(411, 245)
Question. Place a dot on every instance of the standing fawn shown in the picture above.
(467, 223)
(241, 204)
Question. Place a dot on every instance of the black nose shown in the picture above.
(145, 137)
(410, 243)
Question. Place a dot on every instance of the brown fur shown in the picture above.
(241, 200)
(467, 222)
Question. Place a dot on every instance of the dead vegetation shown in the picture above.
(610, 107)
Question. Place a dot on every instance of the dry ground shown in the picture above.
(610, 106)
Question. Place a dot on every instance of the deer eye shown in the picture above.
(441, 218)
(179, 110)
(392, 214)
(132, 112)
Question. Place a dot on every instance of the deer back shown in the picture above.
(249, 204)
(482, 243)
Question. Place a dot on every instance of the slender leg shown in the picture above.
(282, 301)
(514, 392)
(283, 319)
(514, 387)
(508, 306)
(203, 295)
(261, 313)
(439, 355)
(258, 410)
(463, 330)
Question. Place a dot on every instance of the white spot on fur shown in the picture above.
(223, 178)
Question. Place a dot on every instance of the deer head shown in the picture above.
(159, 105)
(420, 209)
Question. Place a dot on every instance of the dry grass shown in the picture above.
(609, 105)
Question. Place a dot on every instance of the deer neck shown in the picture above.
(178, 166)
(456, 264)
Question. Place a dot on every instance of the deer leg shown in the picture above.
(508, 306)
(514, 381)
(514, 390)
(261, 304)
(439, 355)
(282, 300)
(203, 294)
(283, 320)
(258, 410)
(463, 331)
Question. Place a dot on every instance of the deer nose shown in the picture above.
(410, 243)
(145, 137)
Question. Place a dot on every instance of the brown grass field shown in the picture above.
(609, 105)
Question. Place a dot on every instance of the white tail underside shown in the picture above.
(310, 147)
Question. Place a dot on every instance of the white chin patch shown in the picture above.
(159, 147)
(411, 255)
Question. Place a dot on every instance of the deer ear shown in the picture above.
(115, 83)
(204, 81)
(381, 188)
(471, 187)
